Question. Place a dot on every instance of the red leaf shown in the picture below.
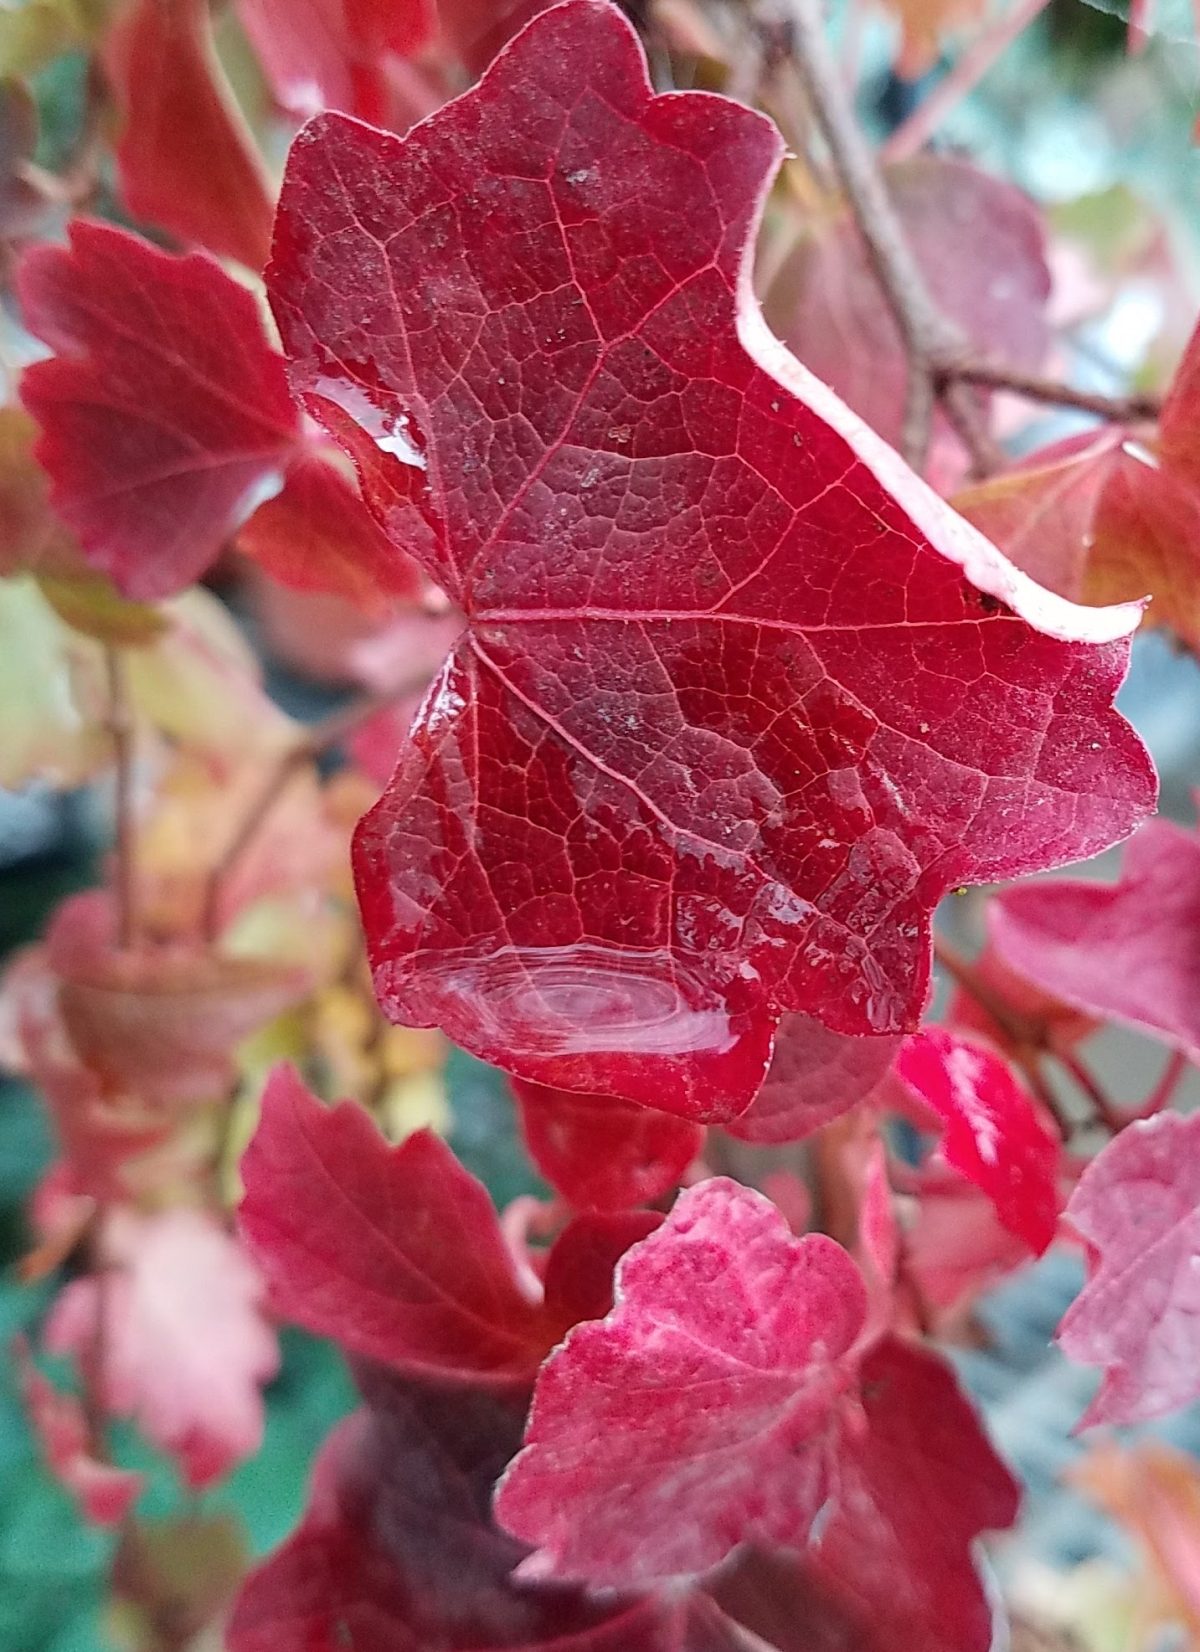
(601, 1153)
(165, 414)
(326, 54)
(991, 1131)
(1049, 1021)
(396, 1552)
(1138, 1207)
(957, 1249)
(625, 1477)
(815, 1076)
(1125, 953)
(395, 1253)
(979, 243)
(105, 1494)
(185, 1345)
(579, 1270)
(727, 718)
(893, 1569)
(185, 156)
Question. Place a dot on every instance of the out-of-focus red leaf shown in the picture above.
(105, 1494)
(980, 244)
(1048, 1019)
(579, 1270)
(815, 1076)
(186, 158)
(315, 535)
(728, 717)
(160, 1022)
(601, 1153)
(331, 54)
(165, 414)
(957, 1247)
(892, 1570)
(625, 1478)
(185, 1347)
(1138, 1317)
(1127, 952)
(396, 1253)
(991, 1131)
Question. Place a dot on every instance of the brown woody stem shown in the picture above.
(1103, 1108)
(995, 376)
(120, 727)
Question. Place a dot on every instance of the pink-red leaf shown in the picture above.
(1127, 952)
(331, 54)
(815, 1076)
(105, 1494)
(739, 698)
(601, 1153)
(1138, 1317)
(696, 1415)
(165, 413)
(185, 1346)
(991, 1131)
(185, 155)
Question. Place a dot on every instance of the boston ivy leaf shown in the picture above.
(185, 1347)
(601, 1153)
(185, 155)
(166, 418)
(625, 1478)
(727, 717)
(1138, 1208)
(893, 1569)
(397, 1550)
(1124, 953)
(105, 1494)
(991, 1131)
(397, 1254)
(815, 1076)
(979, 243)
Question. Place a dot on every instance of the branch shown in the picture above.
(120, 727)
(914, 133)
(1119, 409)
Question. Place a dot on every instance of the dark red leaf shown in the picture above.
(185, 156)
(601, 1153)
(815, 1076)
(728, 718)
(578, 1276)
(1123, 953)
(991, 1131)
(1138, 1207)
(396, 1552)
(696, 1415)
(892, 1570)
(165, 413)
(979, 243)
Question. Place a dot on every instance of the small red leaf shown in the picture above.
(105, 1494)
(991, 1132)
(1125, 953)
(601, 1153)
(1138, 1207)
(185, 1345)
(815, 1076)
(395, 1253)
(165, 413)
(625, 1476)
(185, 156)
(739, 698)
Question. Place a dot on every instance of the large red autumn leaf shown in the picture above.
(1129, 952)
(185, 1344)
(396, 1551)
(991, 1131)
(728, 716)
(892, 1570)
(166, 419)
(696, 1415)
(185, 155)
(815, 1076)
(1138, 1316)
(601, 1153)
(397, 1253)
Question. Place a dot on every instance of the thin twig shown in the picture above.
(120, 727)
(1161, 1095)
(1102, 1106)
(319, 738)
(914, 133)
(1119, 409)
